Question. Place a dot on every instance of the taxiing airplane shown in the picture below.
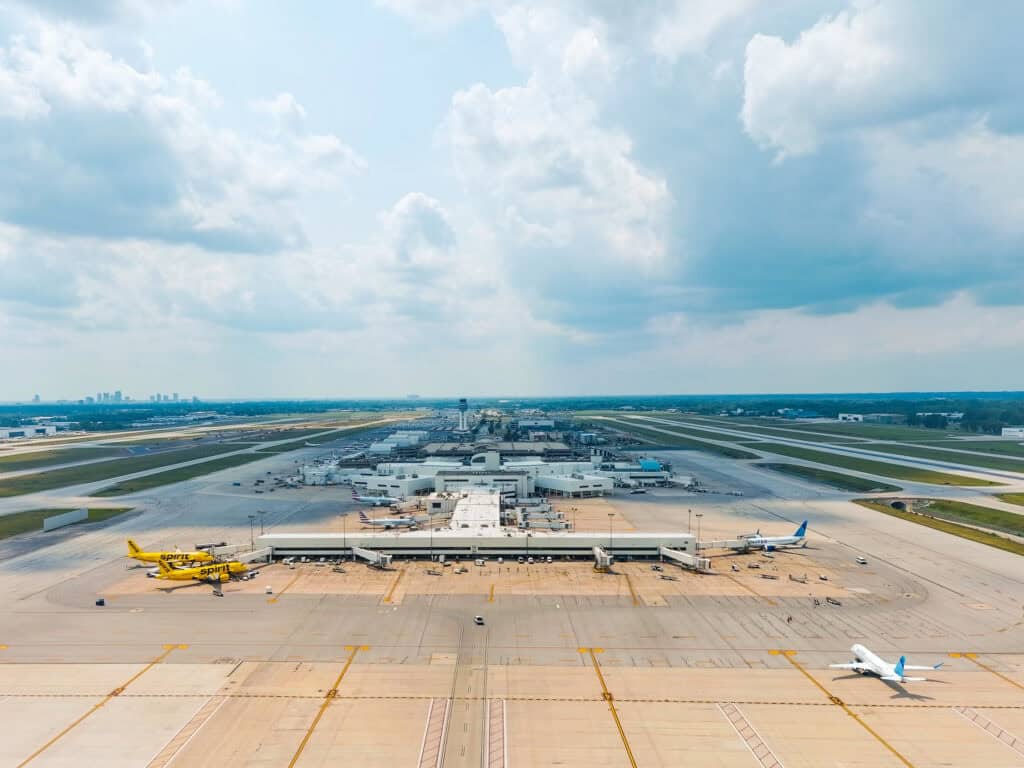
(768, 543)
(375, 501)
(217, 572)
(387, 522)
(867, 663)
(198, 556)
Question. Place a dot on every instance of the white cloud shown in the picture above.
(95, 146)
(687, 26)
(880, 62)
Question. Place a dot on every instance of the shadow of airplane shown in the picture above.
(901, 692)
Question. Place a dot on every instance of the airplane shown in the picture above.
(387, 522)
(867, 663)
(216, 572)
(769, 543)
(198, 556)
(375, 501)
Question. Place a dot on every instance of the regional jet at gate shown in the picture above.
(768, 543)
(387, 522)
(375, 501)
(867, 663)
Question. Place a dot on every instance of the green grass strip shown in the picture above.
(869, 466)
(972, 514)
(32, 520)
(177, 475)
(1011, 498)
(937, 454)
(679, 441)
(832, 479)
(963, 531)
(102, 470)
(53, 457)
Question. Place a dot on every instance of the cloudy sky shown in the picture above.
(471, 197)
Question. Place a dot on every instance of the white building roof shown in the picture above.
(477, 509)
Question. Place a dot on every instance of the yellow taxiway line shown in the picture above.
(607, 695)
(632, 591)
(394, 586)
(330, 696)
(974, 657)
(490, 595)
(99, 705)
(788, 656)
(286, 588)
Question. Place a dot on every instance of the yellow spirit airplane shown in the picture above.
(211, 573)
(199, 556)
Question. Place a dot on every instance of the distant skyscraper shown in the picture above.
(117, 396)
(35, 399)
(175, 397)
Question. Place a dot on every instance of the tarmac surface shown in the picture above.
(572, 667)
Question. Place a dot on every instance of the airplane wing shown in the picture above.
(852, 665)
(923, 669)
(897, 679)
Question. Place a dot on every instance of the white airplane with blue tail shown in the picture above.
(769, 543)
(867, 663)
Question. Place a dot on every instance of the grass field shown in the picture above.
(963, 531)
(1011, 498)
(53, 457)
(176, 475)
(868, 431)
(973, 514)
(794, 432)
(997, 447)
(671, 441)
(102, 470)
(684, 428)
(882, 468)
(832, 479)
(32, 520)
(923, 452)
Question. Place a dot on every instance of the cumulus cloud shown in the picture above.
(881, 63)
(97, 147)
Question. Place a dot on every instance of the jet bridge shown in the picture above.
(372, 557)
(739, 545)
(265, 555)
(692, 562)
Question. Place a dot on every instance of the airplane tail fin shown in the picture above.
(164, 567)
(802, 530)
(362, 516)
(898, 671)
(133, 548)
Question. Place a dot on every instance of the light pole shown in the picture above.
(699, 516)
(610, 516)
(252, 522)
(344, 534)
(261, 513)
(689, 521)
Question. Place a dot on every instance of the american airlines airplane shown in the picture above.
(867, 663)
(768, 543)
(375, 501)
(387, 522)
